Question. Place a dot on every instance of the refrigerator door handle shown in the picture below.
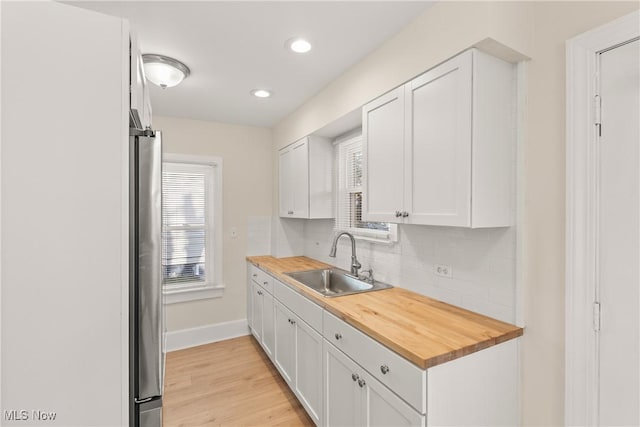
(150, 306)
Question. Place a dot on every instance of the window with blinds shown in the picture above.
(187, 223)
(349, 194)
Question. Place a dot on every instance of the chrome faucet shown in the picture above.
(355, 265)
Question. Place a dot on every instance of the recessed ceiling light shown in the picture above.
(298, 45)
(261, 93)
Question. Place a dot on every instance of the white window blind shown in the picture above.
(349, 194)
(187, 219)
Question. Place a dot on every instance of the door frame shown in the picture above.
(581, 341)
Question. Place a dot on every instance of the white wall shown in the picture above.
(534, 29)
(65, 237)
(247, 205)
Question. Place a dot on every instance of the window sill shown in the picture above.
(381, 237)
(192, 292)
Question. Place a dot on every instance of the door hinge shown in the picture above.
(596, 316)
(597, 114)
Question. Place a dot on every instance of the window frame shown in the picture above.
(213, 287)
(366, 234)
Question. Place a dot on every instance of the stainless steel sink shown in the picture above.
(334, 282)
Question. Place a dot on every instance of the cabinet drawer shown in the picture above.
(261, 278)
(301, 306)
(403, 377)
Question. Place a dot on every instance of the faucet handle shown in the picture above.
(370, 272)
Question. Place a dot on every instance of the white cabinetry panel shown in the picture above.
(65, 211)
(438, 144)
(439, 149)
(285, 333)
(383, 156)
(306, 179)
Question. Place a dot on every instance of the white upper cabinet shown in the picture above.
(383, 133)
(306, 179)
(439, 149)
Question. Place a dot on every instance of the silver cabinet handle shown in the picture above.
(265, 283)
(338, 336)
(355, 377)
(398, 214)
(362, 382)
(259, 292)
(405, 214)
(255, 275)
(289, 320)
(293, 322)
(384, 369)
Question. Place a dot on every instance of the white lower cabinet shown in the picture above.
(268, 326)
(343, 377)
(285, 358)
(298, 357)
(256, 311)
(261, 310)
(355, 398)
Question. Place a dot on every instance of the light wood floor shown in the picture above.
(229, 383)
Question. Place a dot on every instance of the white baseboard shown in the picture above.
(185, 338)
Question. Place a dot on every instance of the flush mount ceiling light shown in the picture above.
(261, 93)
(164, 71)
(298, 45)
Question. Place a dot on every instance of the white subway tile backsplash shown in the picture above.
(259, 235)
(482, 260)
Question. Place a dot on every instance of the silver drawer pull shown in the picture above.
(338, 336)
(384, 369)
(361, 383)
(265, 283)
(255, 274)
(355, 377)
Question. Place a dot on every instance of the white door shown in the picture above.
(268, 325)
(438, 142)
(384, 408)
(309, 369)
(618, 278)
(256, 305)
(285, 334)
(383, 156)
(300, 178)
(343, 399)
(285, 177)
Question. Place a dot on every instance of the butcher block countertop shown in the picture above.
(423, 330)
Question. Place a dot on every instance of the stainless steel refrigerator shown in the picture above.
(146, 317)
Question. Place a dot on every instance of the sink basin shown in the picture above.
(334, 282)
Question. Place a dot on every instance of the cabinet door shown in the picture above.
(268, 325)
(286, 178)
(256, 306)
(300, 178)
(343, 399)
(285, 347)
(385, 408)
(438, 144)
(383, 157)
(309, 369)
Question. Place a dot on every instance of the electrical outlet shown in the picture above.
(443, 270)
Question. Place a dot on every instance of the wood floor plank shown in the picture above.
(228, 383)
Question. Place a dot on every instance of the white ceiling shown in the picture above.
(233, 47)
